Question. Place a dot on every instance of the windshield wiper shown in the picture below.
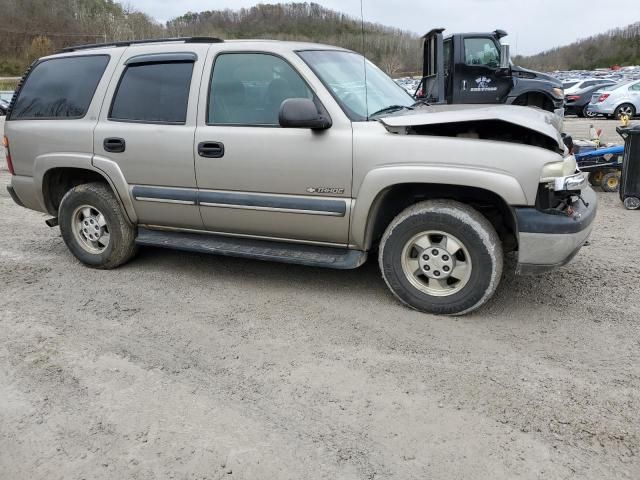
(421, 102)
(390, 109)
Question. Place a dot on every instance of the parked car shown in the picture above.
(577, 103)
(4, 107)
(294, 162)
(617, 100)
(587, 83)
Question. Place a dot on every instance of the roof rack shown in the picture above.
(127, 43)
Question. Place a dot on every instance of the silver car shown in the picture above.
(280, 151)
(617, 100)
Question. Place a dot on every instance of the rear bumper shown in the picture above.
(14, 196)
(549, 241)
(23, 191)
(601, 108)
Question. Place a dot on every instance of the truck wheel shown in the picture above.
(94, 227)
(611, 182)
(441, 257)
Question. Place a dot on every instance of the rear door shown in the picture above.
(476, 79)
(147, 126)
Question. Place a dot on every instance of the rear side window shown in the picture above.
(153, 93)
(60, 88)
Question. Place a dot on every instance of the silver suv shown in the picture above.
(280, 151)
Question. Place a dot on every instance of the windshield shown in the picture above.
(568, 84)
(343, 74)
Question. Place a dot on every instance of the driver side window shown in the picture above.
(481, 51)
(248, 89)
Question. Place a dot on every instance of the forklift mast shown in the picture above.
(432, 84)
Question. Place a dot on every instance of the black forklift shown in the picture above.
(476, 68)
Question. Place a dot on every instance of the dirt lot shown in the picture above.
(198, 367)
(579, 128)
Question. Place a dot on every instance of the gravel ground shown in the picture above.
(200, 367)
(578, 128)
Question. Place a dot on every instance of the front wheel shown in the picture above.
(94, 227)
(441, 257)
(611, 182)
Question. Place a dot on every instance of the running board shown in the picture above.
(310, 255)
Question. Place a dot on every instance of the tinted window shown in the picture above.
(153, 92)
(635, 87)
(60, 88)
(248, 89)
(447, 56)
(481, 51)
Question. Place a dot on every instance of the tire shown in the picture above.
(611, 182)
(632, 203)
(625, 109)
(586, 113)
(595, 178)
(478, 261)
(94, 227)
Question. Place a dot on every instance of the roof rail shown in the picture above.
(126, 43)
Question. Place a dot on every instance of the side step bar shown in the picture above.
(310, 255)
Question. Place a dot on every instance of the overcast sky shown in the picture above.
(533, 25)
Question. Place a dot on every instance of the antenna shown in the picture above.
(364, 60)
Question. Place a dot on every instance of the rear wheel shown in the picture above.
(595, 178)
(611, 182)
(626, 109)
(94, 227)
(587, 113)
(441, 257)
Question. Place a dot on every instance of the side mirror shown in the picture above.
(505, 56)
(303, 113)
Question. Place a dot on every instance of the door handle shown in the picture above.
(464, 85)
(211, 149)
(114, 145)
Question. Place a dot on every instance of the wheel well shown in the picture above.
(58, 181)
(395, 199)
(535, 99)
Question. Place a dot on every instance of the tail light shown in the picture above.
(603, 97)
(5, 144)
(573, 98)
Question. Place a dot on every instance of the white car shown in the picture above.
(582, 84)
(617, 100)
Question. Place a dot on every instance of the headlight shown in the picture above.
(563, 168)
(574, 182)
(558, 92)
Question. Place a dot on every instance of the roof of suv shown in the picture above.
(254, 43)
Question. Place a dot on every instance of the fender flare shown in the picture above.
(380, 180)
(512, 97)
(106, 168)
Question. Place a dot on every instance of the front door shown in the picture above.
(147, 128)
(258, 179)
(477, 79)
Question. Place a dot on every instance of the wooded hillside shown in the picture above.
(616, 47)
(33, 28)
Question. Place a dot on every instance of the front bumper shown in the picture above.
(548, 241)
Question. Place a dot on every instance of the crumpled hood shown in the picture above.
(532, 118)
